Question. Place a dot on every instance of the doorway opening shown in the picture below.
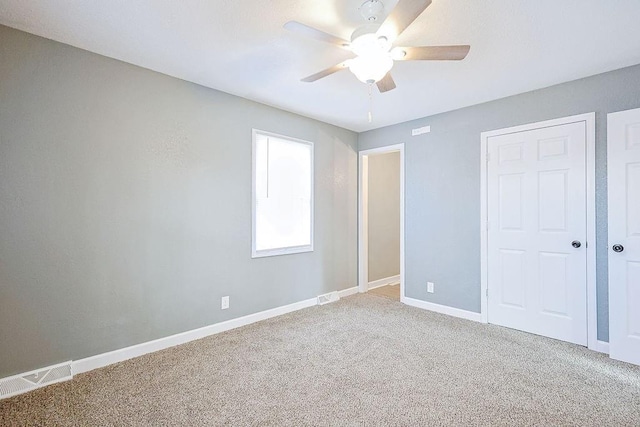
(381, 222)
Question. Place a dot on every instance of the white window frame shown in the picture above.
(287, 250)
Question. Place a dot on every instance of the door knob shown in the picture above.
(618, 248)
(576, 244)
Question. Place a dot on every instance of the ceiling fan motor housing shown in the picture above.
(364, 30)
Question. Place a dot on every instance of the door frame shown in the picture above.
(363, 215)
(590, 121)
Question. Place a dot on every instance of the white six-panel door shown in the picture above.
(536, 210)
(623, 165)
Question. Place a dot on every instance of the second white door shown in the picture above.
(536, 187)
(623, 159)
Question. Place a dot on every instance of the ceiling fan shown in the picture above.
(373, 45)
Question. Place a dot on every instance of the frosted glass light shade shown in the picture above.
(371, 68)
(373, 60)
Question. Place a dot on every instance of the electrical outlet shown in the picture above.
(225, 303)
(430, 287)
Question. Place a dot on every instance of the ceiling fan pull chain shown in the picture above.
(370, 103)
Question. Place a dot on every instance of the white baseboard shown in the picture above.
(348, 292)
(115, 356)
(105, 359)
(602, 347)
(451, 311)
(101, 360)
(384, 282)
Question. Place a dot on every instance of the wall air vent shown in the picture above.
(23, 383)
(327, 298)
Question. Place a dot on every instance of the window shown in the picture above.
(282, 195)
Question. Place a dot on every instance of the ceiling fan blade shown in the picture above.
(305, 30)
(433, 53)
(326, 72)
(386, 84)
(405, 12)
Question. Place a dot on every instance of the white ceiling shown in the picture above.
(240, 47)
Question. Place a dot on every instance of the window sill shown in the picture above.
(281, 251)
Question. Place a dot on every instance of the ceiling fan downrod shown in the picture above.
(371, 10)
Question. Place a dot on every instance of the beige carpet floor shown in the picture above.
(364, 360)
(391, 292)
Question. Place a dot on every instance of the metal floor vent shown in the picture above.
(327, 298)
(23, 383)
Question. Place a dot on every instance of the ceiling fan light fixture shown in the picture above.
(372, 44)
(371, 68)
(373, 60)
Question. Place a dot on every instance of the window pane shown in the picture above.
(283, 193)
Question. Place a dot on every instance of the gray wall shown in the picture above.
(442, 179)
(384, 215)
(125, 207)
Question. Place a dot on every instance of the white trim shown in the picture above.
(590, 121)
(363, 216)
(392, 280)
(281, 251)
(443, 309)
(105, 359)
(592, 294)
(278, 251)
(602, 347)
(363, 223)
(586, 117)
(348, 292)
(484, 230)
(402, 269)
